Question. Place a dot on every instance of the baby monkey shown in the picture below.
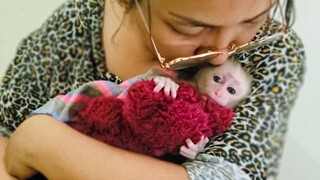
(226, 84)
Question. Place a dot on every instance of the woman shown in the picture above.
(90, 40)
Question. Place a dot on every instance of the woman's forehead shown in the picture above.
(219, 12)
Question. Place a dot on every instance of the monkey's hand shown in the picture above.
(167, 84)
(193, 149)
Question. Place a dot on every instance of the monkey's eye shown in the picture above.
(231, 90)
(217, 79)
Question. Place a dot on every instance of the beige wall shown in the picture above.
(302, 152)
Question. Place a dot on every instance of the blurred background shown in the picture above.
(301, 159)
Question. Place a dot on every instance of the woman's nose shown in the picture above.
(220, 59)
(220, 41)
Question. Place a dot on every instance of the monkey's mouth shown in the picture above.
(218, 100)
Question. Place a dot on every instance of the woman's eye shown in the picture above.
(255, 22)
(231, 90)
(187, 29)
(217, 79)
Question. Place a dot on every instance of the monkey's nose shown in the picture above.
(218, 93)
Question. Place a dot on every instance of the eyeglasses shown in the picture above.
(189, 61)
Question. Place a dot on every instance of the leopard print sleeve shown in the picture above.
(253, 145)
(65, 52)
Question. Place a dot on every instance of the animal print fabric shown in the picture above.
(67, 51)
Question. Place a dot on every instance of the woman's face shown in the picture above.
(188, 27)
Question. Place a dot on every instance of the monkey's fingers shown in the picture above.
(202, 143)
(191, 145)
(188, 153)
(167, 86)
(171, 87)
(160, 83)
(174, 89)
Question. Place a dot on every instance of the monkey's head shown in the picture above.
(226, 84)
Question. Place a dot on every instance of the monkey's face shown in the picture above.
(223, 89)
(225, 84)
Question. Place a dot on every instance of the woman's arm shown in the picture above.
(60, 152)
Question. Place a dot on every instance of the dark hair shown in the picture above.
(289, 10)
(290, 13)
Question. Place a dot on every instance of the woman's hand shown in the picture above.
(3, 172)
(51, 147)
(15, 156)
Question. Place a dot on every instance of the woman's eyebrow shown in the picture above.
(260, 14)
(204, 24)
(192, 21)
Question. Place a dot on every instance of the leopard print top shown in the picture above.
(67, 52)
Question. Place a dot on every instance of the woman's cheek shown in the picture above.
(175, 47)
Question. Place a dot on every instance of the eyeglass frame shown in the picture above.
(231, 49)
